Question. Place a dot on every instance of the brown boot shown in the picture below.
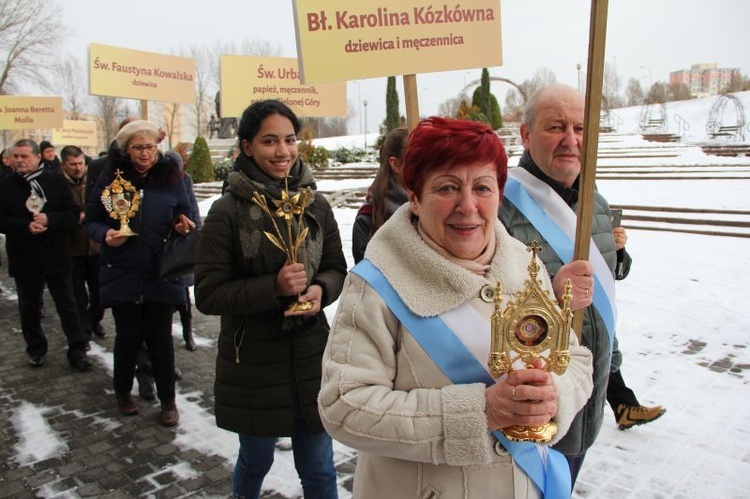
(169, 415)
(126, 405)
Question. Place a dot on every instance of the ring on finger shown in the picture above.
(586, 293)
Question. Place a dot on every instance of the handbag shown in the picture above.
(176, 255)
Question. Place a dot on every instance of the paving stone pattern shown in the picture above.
(107, 455)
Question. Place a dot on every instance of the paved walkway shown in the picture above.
(107, 455)
(62, 436)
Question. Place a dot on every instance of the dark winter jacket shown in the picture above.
(362, 229)
(586, 425)
(52, 164)
(80, 244)
(41, 254)
(129, 272)
(195, 216)
(268, 367)
(96, 166)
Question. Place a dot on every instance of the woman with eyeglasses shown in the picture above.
(142, 305)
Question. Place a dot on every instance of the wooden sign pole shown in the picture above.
(144, 109)
(594, 81)
(412, 101)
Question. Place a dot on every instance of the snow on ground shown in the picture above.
(694, 112)
(683, 330)
(682, 316)
(682, 320)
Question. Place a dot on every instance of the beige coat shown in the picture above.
(419, 436)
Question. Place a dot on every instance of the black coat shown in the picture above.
(46, 253)
(267, 374)
(129, 272)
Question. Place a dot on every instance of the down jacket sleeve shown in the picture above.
(371, 401)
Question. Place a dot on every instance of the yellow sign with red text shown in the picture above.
(24, 112)
(246, 79)
(344, 40)
(134, 74)
(76, 133)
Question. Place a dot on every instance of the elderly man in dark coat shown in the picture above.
(37, 211)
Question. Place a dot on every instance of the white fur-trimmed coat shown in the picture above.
(420, 436)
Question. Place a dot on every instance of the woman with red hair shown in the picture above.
(391, 387)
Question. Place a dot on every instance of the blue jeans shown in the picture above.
(313, 459)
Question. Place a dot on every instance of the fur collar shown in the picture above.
(164, 173)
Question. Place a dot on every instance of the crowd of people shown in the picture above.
(59, 235)
(400, 374)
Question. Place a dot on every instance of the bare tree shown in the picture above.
(449, 107)
(737, 83)
(611, 87)
(203, 95)
(634, 92)
(513, 105)
(679, 91)
(30, 32)
(111, 111)
(70, 82)
(542, 78)
(658, 93)
(170, 113)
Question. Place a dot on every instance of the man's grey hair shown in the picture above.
(28, 143)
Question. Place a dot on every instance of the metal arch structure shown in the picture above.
(653, 117)
(496, 78)
(719, 125)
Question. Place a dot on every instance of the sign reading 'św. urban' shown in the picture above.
(246, 79)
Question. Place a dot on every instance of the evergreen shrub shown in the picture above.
(200, 165)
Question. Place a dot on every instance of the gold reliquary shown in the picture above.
(122, 201)
(531, 329)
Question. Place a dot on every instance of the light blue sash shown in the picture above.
(459, 365)
(560, 239)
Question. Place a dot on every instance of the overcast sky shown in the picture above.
(646, 39)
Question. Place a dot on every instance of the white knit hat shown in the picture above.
(126, 132)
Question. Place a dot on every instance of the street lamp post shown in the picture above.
(365, 103)
(578, 67)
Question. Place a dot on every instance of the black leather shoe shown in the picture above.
(190, 343)
(36, 360)
(81, 363)
(98, 330)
